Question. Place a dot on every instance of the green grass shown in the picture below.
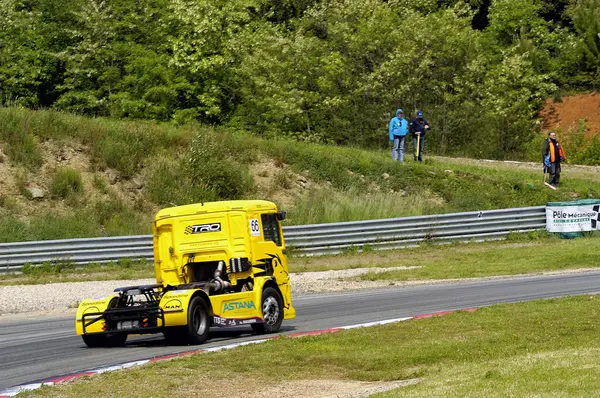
(328, 205)
(65, 271)
(493, 259)
(537, 348)
(180, 165)
(66, 183)
(109, 217)
(521, 254)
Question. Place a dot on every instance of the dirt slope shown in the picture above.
(566, 113)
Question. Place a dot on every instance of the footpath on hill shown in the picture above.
(568, 170)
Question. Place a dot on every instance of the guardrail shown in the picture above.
(314, 239)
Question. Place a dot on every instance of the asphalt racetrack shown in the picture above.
(37, 349)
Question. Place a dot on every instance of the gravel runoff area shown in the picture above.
(56, 298)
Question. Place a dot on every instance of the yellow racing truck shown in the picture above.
(216, 264)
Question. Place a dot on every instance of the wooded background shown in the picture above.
(319, 71)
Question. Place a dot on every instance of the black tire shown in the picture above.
(175, 335)
(198, 321)
(272, 312)
(104, 340)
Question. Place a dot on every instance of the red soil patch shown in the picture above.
(567, 113)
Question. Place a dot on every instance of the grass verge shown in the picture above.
(537, 348)
(64, 271)
(492, 259)
(520, 254)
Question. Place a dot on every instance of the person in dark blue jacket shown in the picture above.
(397, 131)
(418, 128)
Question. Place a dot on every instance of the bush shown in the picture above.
(62, 226)
(225, 180)
(283, 179)
(169, 184)
(66, 182)
(125, 147)
(213, 173)
(12, 229)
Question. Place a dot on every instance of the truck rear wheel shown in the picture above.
(196, 330)
(272, 312)
(175, 335)
(198, 321)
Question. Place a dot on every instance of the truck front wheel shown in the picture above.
(272, 312)
(104, 340)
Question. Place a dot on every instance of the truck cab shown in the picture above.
(215, 263)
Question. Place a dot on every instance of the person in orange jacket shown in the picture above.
(552, 155)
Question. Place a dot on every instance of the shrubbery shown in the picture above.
(314, 71)
(66, 182)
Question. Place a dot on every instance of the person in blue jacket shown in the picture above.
(397, 131)
(418, 128)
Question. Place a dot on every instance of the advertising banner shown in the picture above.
(577, 216)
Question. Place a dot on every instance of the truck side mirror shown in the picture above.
(281, 215)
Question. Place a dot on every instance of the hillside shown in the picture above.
(566, 113)
(316, 71)
(67, 176)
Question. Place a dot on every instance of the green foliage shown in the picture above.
(48, 267)
(25, 60)
(346, 184)
(512, 95)
(12, 229)
(207, 171)
(19, 143)
(168, 184)
(309, 84)
(209, 167)
(61, 226)
(511, 20)
(116, 63)
(22, 180)
(100, 184)
(118, 145)
(529, 236)
(66, 182)
(315, 71)
(283, 179)
(124, 149)
(586, 22)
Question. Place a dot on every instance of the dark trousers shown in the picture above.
(421, 145)
(554, 172)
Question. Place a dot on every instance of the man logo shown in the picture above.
(173, 304)
(199, 229)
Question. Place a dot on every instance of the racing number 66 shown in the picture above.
(254, 227)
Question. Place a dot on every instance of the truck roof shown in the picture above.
(211, 207)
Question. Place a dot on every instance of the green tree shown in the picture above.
(206, 47)
(118, 63)
(513, 93)
(311, 83)
(25, 62)
(510, 20)
(586, 22)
